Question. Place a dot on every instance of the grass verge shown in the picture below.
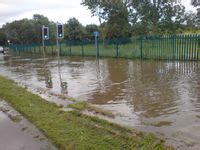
(86, 106)
(73, 130)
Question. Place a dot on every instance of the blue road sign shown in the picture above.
(96, 34)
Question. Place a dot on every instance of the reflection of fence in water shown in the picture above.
(178, 67)
(162, 68)
(186, 67)
(168, 47)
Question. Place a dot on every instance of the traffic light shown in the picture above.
(60, 31)
(45, 33)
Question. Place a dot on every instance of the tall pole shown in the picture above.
(43, 41)
(59, 35)
(96, 34)
(96, 46)
(57, 47)
(58, 53)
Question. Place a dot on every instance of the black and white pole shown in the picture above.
(59, 35)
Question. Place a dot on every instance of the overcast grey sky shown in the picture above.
(55, 10)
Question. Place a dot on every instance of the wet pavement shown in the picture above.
(162, 97)
(18, 134)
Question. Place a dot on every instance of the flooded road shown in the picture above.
(162, 97)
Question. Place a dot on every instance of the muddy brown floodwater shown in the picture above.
(162, 97)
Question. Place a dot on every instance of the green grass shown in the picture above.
(86, 106)
(79, 106)
(62, 96)
(158, 124)
(73, 130)
(192, 31)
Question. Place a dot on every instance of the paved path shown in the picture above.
(16, 133)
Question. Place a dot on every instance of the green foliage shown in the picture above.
(115, 12)
(90, 29)
(2, 38)
(74, 30)
(79, 105)
(198, 18)
(190, 18)
(118, 23)
(146, 17)
(25, 30)
(195, 3)
(172, 18)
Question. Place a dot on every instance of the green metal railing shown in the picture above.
(167, 47)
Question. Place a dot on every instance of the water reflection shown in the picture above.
(48, 81)
(63, 84)
(112, 87)
(145, 91)
(149, 90)
(152, 87)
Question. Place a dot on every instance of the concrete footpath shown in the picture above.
(16, 133)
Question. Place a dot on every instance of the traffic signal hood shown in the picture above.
(45, 33)
(60, 31)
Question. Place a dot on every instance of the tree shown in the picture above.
(172, 18)
(52, 31)
(149, 13)
(196, 3)
(198, 18)
(74, 30)
(2, 38)
(118, 23)
(90, 29)
(39, 21)
(115, 13)
(25, 30)
(190, 19)
(14, 31)
(158, 16)
(145, 16)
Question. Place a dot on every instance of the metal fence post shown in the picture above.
(82, 48)
(117, 50)
(141, 48)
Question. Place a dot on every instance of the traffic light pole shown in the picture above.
(43, 41)
(43, 48)
(57, 47)
(59, 35)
